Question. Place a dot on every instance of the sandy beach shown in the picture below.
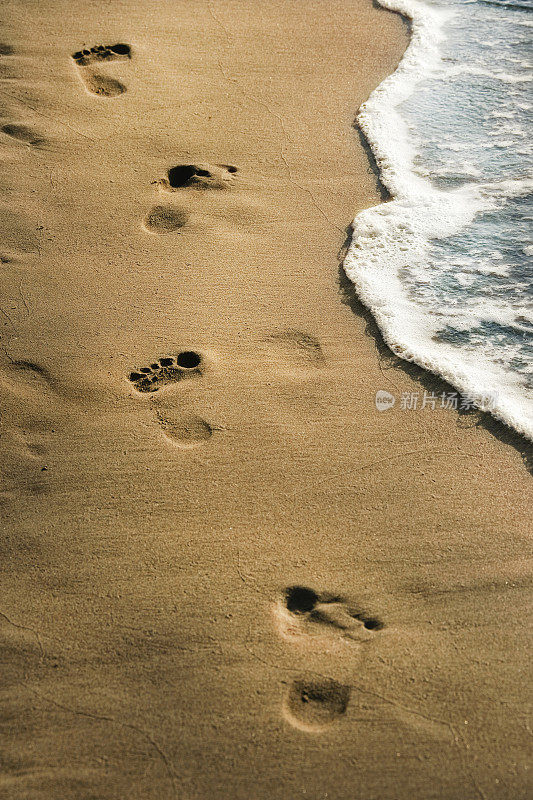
(225, 573)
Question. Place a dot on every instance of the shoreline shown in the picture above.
(387, 233)
(235, 577)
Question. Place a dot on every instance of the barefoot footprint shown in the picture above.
(295, 353)
(94, 79)
(182, 427)
(311, 705)
(166, 371)
(168, 219)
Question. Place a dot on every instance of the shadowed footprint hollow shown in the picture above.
(311, 705)
(165, 219)
(22, 133)
(183, 176)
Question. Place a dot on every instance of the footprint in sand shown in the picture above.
(168, 219)
(33, 387)
(295, 353)
(168, 370)
(165, 219)
(23, 454)
(24, 376)
(183, 427)
(30, 396)
(304, 612)
(311, 705)
(195, 176)
(23, 134)
(90, 63)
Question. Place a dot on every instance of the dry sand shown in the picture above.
(155, 641)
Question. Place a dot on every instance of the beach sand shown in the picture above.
(240, 580)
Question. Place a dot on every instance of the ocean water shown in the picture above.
(446, 265)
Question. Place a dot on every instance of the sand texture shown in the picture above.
(225, 574)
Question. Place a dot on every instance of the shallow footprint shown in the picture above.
(312, 705)
(184, 429)
(295, 353)
(167, 370)
(303, 344)
(303, 612)
(22, 133)
(165, 219)
(23, 458)
(26, 378)
(96, 81)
